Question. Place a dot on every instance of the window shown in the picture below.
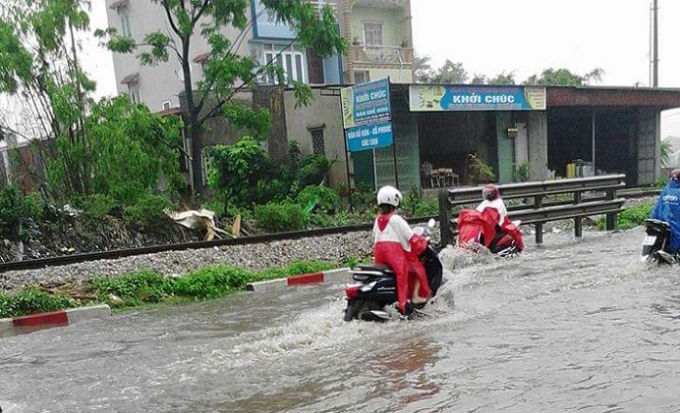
(291, 60)
(166, 105)
(373, 34)
(124, 21)
(361, 76)
(318, 145)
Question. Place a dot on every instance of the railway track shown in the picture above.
(121, 253)
(257, 239)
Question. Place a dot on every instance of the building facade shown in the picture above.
(379, 38)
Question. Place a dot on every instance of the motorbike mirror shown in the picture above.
(430, 223)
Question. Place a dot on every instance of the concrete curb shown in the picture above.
(56, 318)
(279, 284)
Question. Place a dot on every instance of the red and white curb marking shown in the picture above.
(339, 275)
(55, 318)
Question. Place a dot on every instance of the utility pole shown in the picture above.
(655, 62)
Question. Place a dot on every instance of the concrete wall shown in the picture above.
(649, 143)
(324, 111)
(538, 145)
(404, 75)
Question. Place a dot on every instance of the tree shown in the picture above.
(225, 72)
(563, 77)
(450, 73)
(506, 79)
(112, 147)
(422, 69)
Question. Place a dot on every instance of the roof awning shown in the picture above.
(118, 4)
(133, 78)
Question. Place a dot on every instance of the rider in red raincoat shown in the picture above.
(484, 221)
(399, 247)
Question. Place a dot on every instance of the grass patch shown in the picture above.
(148, 288)
(632, 216)
(31, 300)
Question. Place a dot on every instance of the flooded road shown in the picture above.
(577, 326)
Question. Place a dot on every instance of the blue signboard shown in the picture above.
(366, 103)
(360, 138)
(431, 98)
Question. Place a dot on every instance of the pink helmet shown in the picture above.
(490, 192)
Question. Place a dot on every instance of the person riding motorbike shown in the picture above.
(396, 245)
(667, 209)
(489, 221)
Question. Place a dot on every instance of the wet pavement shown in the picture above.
(571, 326)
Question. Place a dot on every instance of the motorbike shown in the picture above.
(473, 228)
(375, 285)
(656, 241)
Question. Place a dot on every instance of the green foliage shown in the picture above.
(279, 217)
(236, 170)
(132, 289)
(313, 169)
(632, 216)
(209, 283)
(148, 212)
(522, 173)
(96, 206)
(226, 72)
(31, 300)
(296, 268)
(318, 197)
(124, 154)
(563, 77)
(666, 150)
(478, 171)
(15, 209)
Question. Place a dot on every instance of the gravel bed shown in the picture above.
(337, 248)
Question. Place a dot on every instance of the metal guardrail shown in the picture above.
(543, 208)
(121, 253)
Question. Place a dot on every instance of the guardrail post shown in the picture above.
(444, 218)
(538, 203)
(578, 221)
(611, 217)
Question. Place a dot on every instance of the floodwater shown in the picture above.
(572, 326)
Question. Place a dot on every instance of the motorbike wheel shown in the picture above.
(353, 307)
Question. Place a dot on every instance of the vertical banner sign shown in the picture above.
(366, 115)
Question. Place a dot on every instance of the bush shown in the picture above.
(318, 197)
(634, 216)
(31, 300)
(478, 171)
(208, 283)
(133, 289)
(296, 268)
(149, 211)
(15, 209)
(279, 217)
(313, 170)
(96, 206)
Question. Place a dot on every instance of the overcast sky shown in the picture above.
(525, 36)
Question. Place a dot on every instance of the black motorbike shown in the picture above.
(375, 285)
(655, 246)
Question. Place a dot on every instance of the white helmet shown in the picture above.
(389, 195)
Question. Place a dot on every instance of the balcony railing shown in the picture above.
(388, 4)
(384, 55)
(319, 4)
